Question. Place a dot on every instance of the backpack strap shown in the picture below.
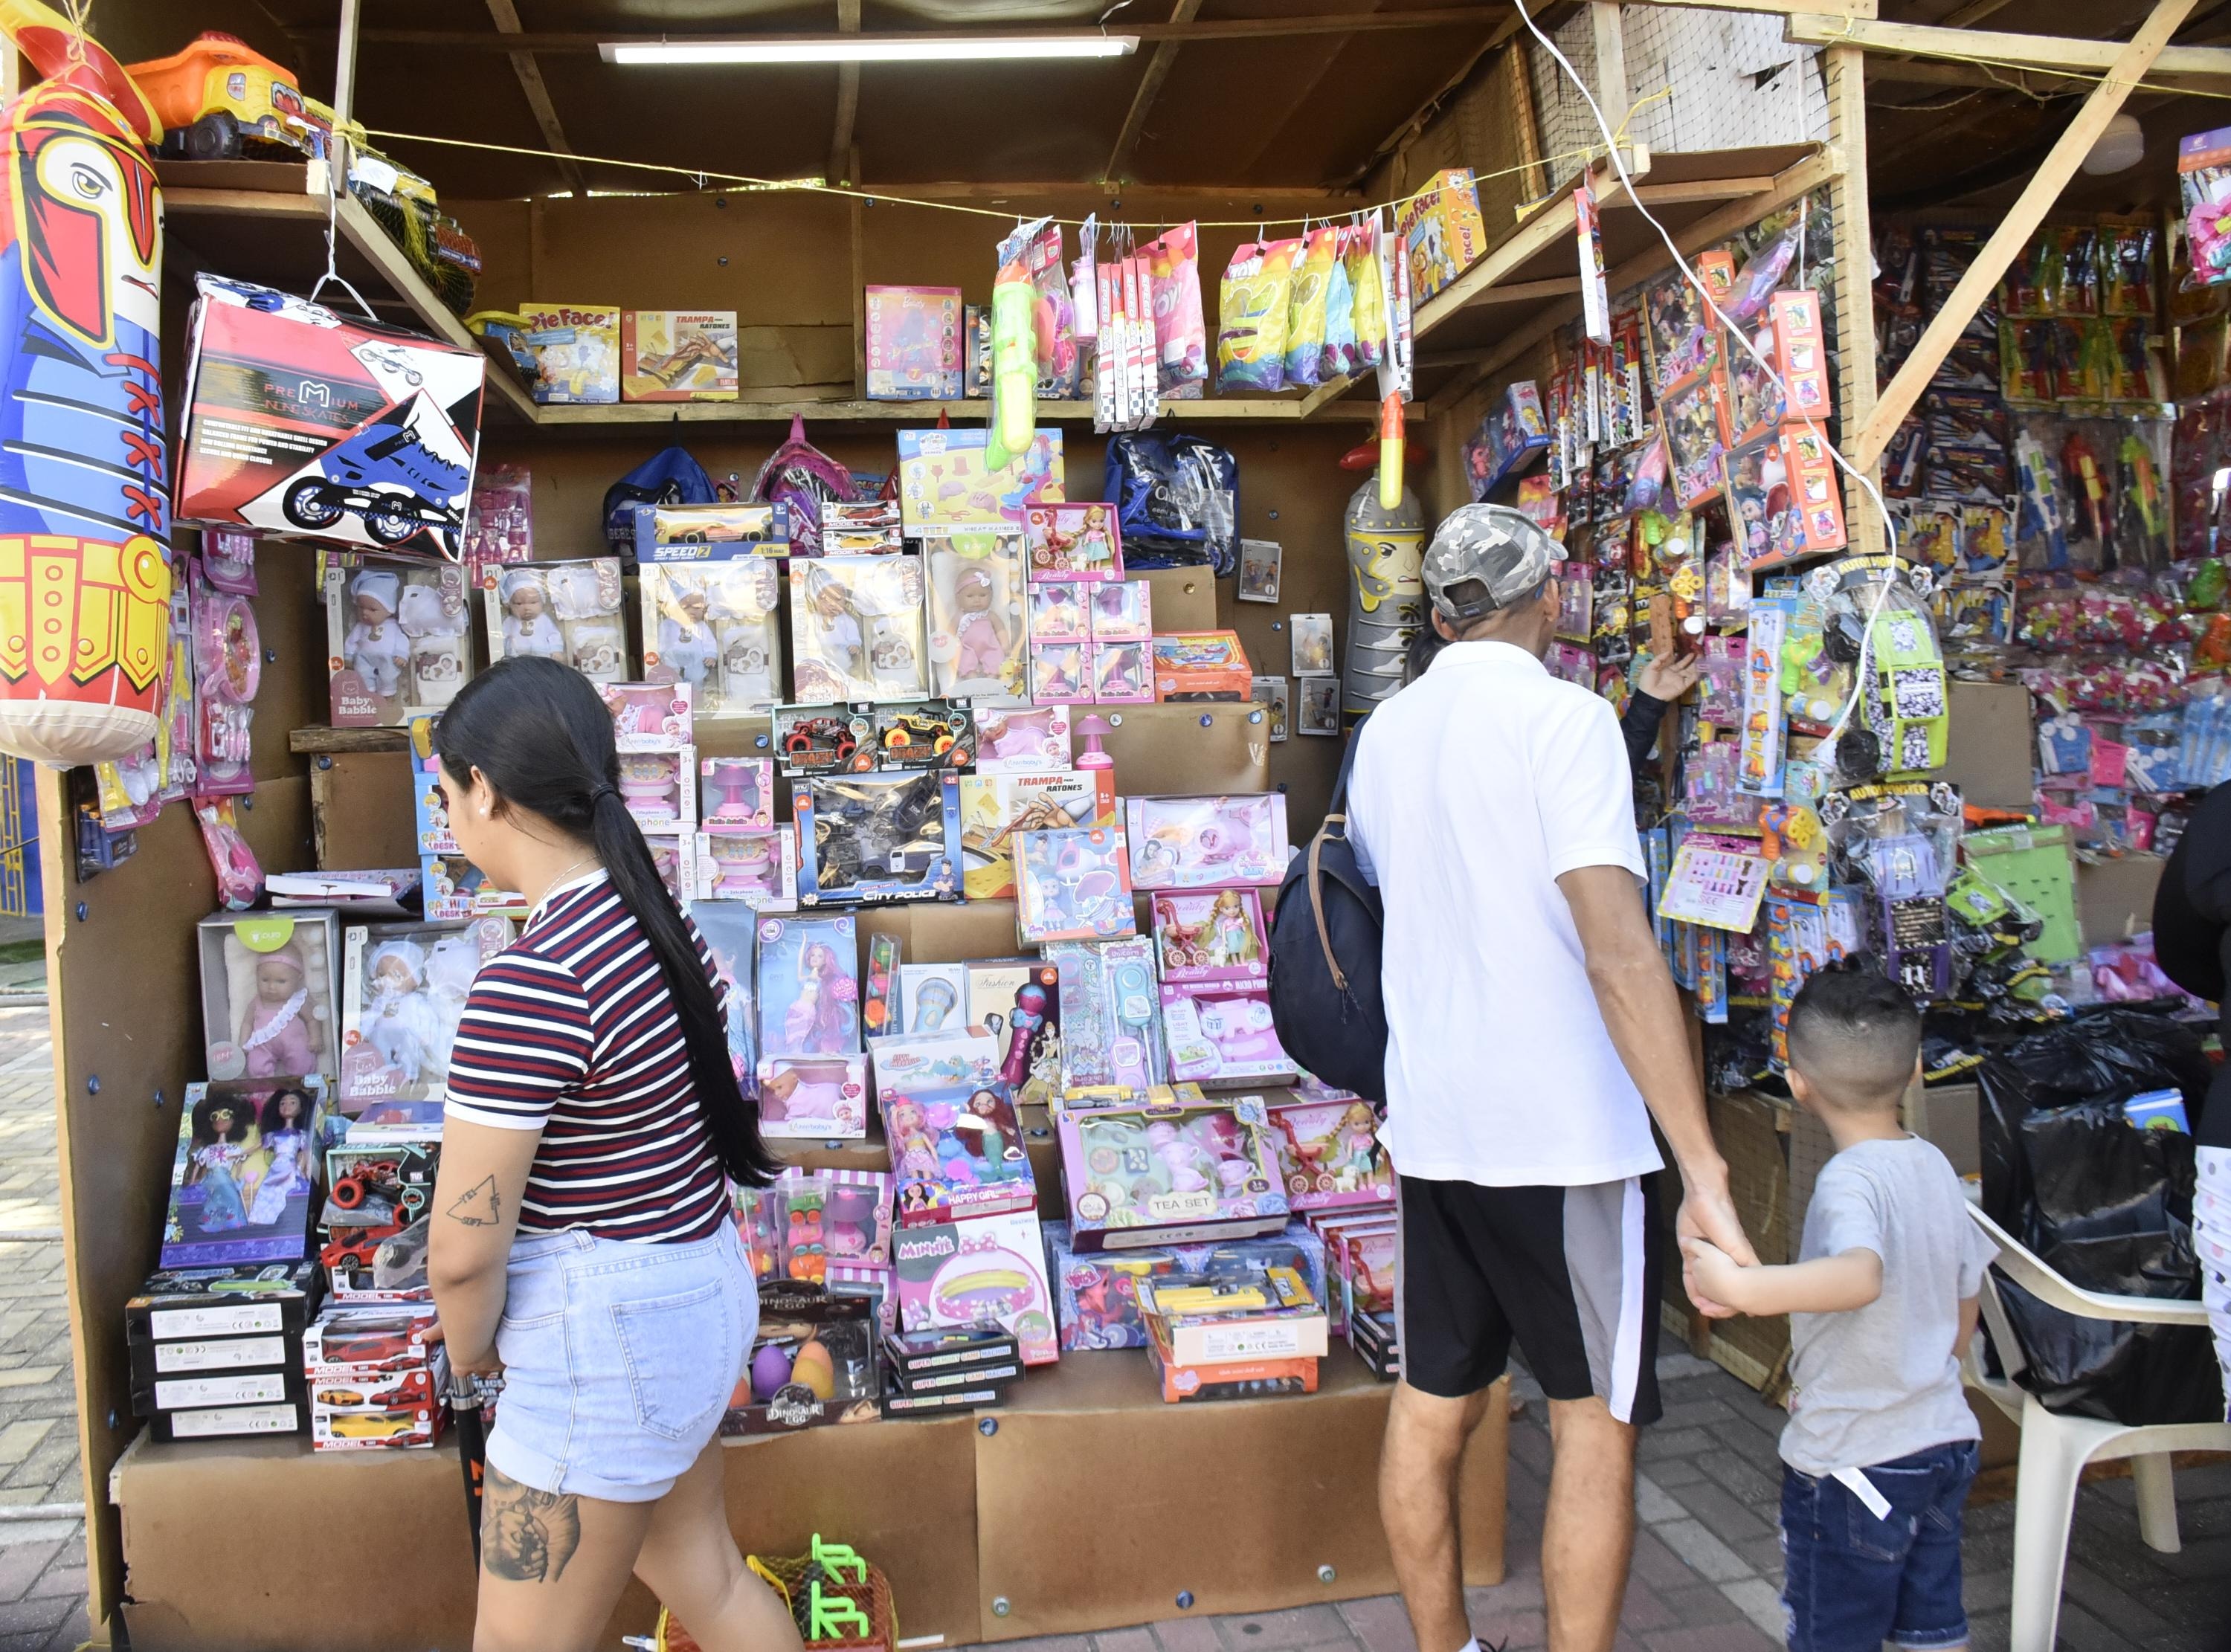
(1316, 900)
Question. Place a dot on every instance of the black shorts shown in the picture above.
(1571, 1272)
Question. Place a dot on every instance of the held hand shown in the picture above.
(1709, 1274)
(1708, 1214)
(1668, 680)
(484, 1364)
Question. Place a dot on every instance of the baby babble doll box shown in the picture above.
(270, 983)
(398, 641)
(402, 995)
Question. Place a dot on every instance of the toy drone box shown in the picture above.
(678, 355)
(1170, 1174)
(305, 422)
(398, 641)
(878, 838)
(989, 1268)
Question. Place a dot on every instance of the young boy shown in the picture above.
(1880, 1445)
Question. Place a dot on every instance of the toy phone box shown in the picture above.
(956, 1145)
(809, 986)
(1201, 665)
(270, 994)
(568, 611)
(1018, 1002)
(1170, 1174)
(576, 352)
(303, 422)
(1030, 739)
(1073, 542)
(1207, 842)
(1223, 1036)
(995, 808)
(944, 481)
(398, 639)
(403, 990)
(1073, 884)
(855, 628)
(738, 792)
(813, 1362)
(913, 343)
(878, 838)
(1329, 1155)
(741, 865)
(986, 1268)
(245, 1176)
(1210, 936)
(711, 586)
(678, 355)
(813, 1097)
(976, 625)
(933, 997)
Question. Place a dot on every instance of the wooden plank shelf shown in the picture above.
(322, 741)
(1260, 409)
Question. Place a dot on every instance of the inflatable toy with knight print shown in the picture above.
(85, 580)
(303, 422)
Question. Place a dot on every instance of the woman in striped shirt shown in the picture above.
(582, 1245)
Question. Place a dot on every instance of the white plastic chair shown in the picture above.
(2054, 1449)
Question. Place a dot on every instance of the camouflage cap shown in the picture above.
(1485, 557)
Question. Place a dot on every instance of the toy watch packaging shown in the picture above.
(1201, 665)
(1170, 1172)
(678, 355)
(809, 985)
(559, 610)
(956, 1147)
(398, 640)
(730, 932)
(994, 808)
(1073, 884)
(856, 629)
(1210, 936)
(1222, 1037)
(1207, 842)
(813, 1362)
(878, 838)
(737, 792)
(245, 1175)
(303, 422)
(710, 614)
(576, 352)
(913, 343)
(1073, 542)
(976, 629)
(986, 1268)
(1329, 1155)
(403, 990)
(270, 986)
(932, 997)
(740, 863)
(944, 481)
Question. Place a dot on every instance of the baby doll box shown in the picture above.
(1029, 740)
(652, 717)
(271, 985)
(976, 616)
(1207, 842)
(956, 1145)
(398, 638)
(989, 1268)
(1329, 1155)
(856, 627)
(878, 838)
(1169, 1172)
(403, 989)
(813, 1098)
(303, 422)
(711, 578)
(570, 611)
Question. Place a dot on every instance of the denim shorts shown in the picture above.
(1849, 1581)
(619, 1359)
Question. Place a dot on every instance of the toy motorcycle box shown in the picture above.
(878, 838)
(710, 584)
(955, 1142)
(398, 641)
(303, 422)
(1170, 1172)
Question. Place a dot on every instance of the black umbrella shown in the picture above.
(467, 1397)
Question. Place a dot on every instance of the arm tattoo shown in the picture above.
(479, 1206)
(527, 1536)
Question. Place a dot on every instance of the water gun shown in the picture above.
(2043, 515)
(2140, 516)
(1390, 452)
(2090, 489)
(1014, 355)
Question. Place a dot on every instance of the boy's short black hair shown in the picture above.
(1854, 1033)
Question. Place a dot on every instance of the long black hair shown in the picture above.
(539, 733)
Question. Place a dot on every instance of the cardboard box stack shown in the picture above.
(218, 1351)
(375, 1382)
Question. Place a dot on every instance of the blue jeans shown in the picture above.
(1849, 1581)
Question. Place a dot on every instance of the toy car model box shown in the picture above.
(577, 351)
(1201, 665)
(878, 838)
(711, 582)
(1207, 842)
(270, 994)
(678, 355)
(354, 1409)
(813, 1363)
(986, 1268)
(861, 527)
(924, 734)
(1169, 1173)
(398, 641)
(955, 1142)
(303, 422)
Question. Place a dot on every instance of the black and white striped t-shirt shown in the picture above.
(571, 1031)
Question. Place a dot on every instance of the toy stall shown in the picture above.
(986, 576)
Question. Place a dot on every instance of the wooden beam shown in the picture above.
(1511, 24)
(2026, 82)
(1860, 9)
(1332, 200)
(1150, 87)
(841, 156)
(505, 16)
(344, 93)
(1903, 390)
(1974, 12)
(1611, 60)
(2014, 51)
(1854, 284)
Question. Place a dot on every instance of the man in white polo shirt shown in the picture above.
(1533, 1032)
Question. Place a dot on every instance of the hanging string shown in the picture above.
(335, 185)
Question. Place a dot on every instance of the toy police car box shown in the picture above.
(870, 837)
(303, 422)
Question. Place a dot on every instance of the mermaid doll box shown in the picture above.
(270, 983)
(245, 1173)
(955, 1143)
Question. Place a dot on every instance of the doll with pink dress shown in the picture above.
(809, 986)
(269, 990)
(279, 1030)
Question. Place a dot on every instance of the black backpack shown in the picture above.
(1325, 939)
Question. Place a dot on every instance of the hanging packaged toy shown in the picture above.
(1181, 332)
(1054, 320)
(1305, 313)
(1014, 351)
(1252, 318)
(1085, 281)
(239, 876)
(1340, 352)
(1361, 262)
(228, 668)
(976, 635)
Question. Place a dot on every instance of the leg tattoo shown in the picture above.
(527, 1536)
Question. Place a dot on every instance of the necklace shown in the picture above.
(557, 883)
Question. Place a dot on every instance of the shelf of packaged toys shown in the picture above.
(1264, 409)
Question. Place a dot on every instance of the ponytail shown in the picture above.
(540, 734)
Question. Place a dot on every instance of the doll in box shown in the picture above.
(435, 622)
(984, 636)
(687, 640)
(285, 1126)
(376, 649)
(976, 626)
(529, 627)
(832, 640)
(400, 1020)
(821, 1016)
(597, 648)
(223, 1136)
(279, 1030)
(747, 668)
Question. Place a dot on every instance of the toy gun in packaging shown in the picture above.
(2043, 515)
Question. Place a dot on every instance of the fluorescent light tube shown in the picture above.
(869, 48)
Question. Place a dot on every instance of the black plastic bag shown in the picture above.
(2105, 1205)
(1177, 501)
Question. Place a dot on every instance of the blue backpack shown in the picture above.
(670, 477)
(1325, 947)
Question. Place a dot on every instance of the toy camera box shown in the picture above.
(955, 1143)
(577, 351)
(913, 343)
(1441, 230)
(270, 994)
(245, 1173)
(944, 481)
(303, 422)
(678, 355)
(988, 1267)
(878, 838)
(398, 641)
(1201, 665)
(813, 1362)
(1170, 1172)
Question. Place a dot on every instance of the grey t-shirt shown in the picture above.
(1879, 1383)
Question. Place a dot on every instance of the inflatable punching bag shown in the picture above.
(1385, 597)
(85, 508)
